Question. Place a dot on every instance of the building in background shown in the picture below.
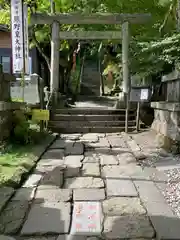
(6, 52)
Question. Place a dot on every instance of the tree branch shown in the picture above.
(37, 44)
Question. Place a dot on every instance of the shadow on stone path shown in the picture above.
(91, 187)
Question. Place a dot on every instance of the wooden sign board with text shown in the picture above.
(40, 115)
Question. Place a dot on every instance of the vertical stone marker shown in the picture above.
(87, 219)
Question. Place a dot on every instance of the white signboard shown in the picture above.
(144, 94)
(31, 95)
(17, 35)
(26, 42)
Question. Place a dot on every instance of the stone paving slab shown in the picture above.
(126, 158)
(72, 172)
(125, 171)
(33, 181)
(91, 157)
(167, 163)
(125, 227)
(76, 149)
(53, 154)
(116, 142)
(90, 137)
(91, 169)
(54, 177)
(118, 187)
(88, 194)
(5, 194)
(149, 192)
(51, 163)
(71, 237)
(84, 182)
(73, 164)
(87, 218)
(120, 206)
(163, 219)
(125, 193)
(24, 194)
(102, 143)
(72, 137)
(53, 195)
(12, 217)
(47, 218)
(108, 160)
(113, 172)
(73, 160)
(59, 144)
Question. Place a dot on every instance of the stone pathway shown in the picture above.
(89, 187)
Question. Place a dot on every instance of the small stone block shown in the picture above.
(127, 227)
(5, 194)
(108, 160)
(87, 218)
(88, 194)
(53, 154)
(54, 177)
(24, 194)
(12, 217)
(73, 160)
(84, 182)
(47, 163)
(91, 157)
(114, 172)
(124, 188)
(71, 237)
(126, 158)
(72, 172)
(47, 218)
(76, 149)
(90, 137)
(59, 144)
(32, 181)
(53, 195)
(120, 206)
(91, 169)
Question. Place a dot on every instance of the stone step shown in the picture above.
(71, 124)
(81, 117)
(92, 111)
(90, 129)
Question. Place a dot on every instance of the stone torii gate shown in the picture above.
(95, 18)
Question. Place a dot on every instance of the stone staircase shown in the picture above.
(89, 120)
(90, 84)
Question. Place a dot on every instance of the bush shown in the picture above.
(24, 131)
(21, 127)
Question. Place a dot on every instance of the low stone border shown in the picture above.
(136, 150)
(6, 193)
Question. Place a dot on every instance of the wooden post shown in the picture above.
(137, 116)
(41, 99)
(125, 63)
(55, 44)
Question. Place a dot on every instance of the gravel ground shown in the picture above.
(150, 147)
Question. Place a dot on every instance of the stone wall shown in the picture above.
(6, 107)
(167, 123)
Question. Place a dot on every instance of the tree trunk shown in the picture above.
(178, 15)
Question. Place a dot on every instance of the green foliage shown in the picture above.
(153, 45)
(24, 130)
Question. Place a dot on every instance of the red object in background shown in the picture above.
(110, 76)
